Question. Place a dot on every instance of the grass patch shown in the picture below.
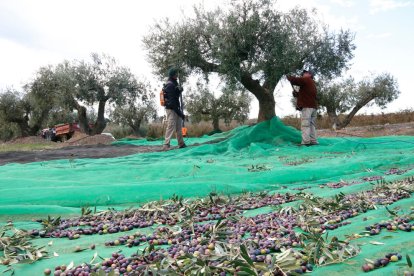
(27, 147)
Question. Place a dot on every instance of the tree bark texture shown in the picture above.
(216, 123)
(135, 125)
(100, 123)
(333, 119)
(363, 102)
(82, 118)
(263, 95)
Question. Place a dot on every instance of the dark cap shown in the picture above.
(172, 72)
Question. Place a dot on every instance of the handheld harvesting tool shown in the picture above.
(183, 128)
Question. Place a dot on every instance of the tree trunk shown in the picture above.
(23, 126)
(358, 106)
(266, 107)
(83, 119)
(135, 126)
(333, 119)
(263, 95)
(216, 123)
(100, 123)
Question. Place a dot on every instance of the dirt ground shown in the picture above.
(79, 146)
(371, 131)
(99, 146)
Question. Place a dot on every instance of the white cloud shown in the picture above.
(337, 22)
(326, 14)
(47, 32)
(386, 5)
(378, 36)
(344, 3)
(22, 62)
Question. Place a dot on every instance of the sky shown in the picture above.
(43, 32)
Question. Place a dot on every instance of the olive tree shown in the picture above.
(80, 85)
(54, 91)
(350, 96)
(34, 108)
(136, 108)
(42, 95)
(103, 81)
(227, 104)
(14, 114)
(249, 42)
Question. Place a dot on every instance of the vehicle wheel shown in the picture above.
(64, 138)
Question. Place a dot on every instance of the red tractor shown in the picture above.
(60, 132)
(65, 131)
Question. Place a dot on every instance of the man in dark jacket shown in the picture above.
(306, 103)
(175, 115)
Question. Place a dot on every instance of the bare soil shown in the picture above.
(79, 146)
(99, 146)
(85, 151)
(372, 131)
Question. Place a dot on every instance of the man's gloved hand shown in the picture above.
(182, 117)
(180, 88)
(295, 94)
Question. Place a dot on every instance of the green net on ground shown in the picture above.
(255, 158)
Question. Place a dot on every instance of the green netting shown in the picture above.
(260, 157)
(189, 141)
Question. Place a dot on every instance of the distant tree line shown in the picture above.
(93, 93)
(249, 44)
(64, 92)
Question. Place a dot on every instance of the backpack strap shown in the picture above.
(165, 84)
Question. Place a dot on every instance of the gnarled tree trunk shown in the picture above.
(135, 124)
(333, 119)
(100, 123)
(264, 96)
(82, 118)
(360, 104)
(266, 106)
(216, 125)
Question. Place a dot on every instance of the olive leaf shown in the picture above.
(409, 263)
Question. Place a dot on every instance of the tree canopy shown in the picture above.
(350, 96)
(227, 104)
(136, 108)
(15, 112)
(78, 85)
(251, 43)
(103, 81)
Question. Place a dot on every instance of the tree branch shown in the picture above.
(252, 85)
(354, 110)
